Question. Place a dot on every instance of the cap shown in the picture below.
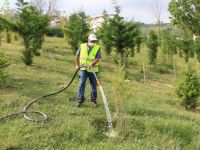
(92, 37)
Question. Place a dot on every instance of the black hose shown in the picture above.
(25, 109)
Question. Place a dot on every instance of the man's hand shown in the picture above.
(94, 63)
(91, 66)
(77, 67)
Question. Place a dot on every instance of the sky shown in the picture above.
(137, 10)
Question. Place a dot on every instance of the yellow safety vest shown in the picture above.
(86, 59)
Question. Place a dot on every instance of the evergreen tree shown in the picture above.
(123, 37)
(84, 28)
(139, 40)
(77, 30)
(135, 37)
(169, 45)
(188, 89)
(31, 25)
(152, 44)
(104, 34)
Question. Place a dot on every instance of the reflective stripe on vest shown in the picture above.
(86, 59)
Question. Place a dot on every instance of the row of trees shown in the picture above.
(124, 37)
(117, 35)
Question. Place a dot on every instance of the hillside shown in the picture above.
(147, 115)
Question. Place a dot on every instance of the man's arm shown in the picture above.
(77, 59)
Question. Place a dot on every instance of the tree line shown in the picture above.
(118, 36)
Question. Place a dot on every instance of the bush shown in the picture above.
(55, 32)
(189, 89)
(4, 63)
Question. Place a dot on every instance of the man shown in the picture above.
(88, 54)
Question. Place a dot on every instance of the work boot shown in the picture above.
(94, 103)
(79, 101)
(78, 104)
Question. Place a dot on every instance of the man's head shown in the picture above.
(92, 39)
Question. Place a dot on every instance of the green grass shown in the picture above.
(146, 115)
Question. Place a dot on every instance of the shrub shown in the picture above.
(189, 89)
(55, 32)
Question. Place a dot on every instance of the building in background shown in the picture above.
(96, 21)
(8, 12)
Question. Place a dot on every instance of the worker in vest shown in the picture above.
(88, 54)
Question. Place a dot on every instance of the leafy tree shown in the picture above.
(189, 89)
(31, 25)
(77, 29)
(186, 14)
(152, 44)
(169, 41)
(185, 45)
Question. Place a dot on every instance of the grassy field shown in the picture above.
(146, 115)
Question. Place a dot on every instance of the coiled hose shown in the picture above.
(26, 109)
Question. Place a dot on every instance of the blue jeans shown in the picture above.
(81, 90)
